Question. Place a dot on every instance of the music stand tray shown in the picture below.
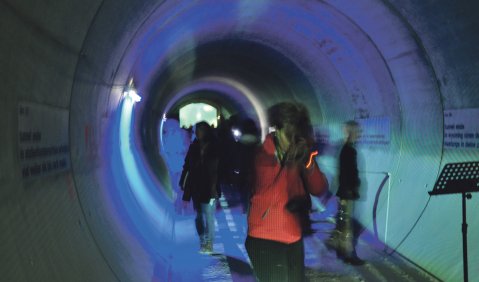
(459, 178)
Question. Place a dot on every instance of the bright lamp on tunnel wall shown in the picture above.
(131, 93)
(196, 112)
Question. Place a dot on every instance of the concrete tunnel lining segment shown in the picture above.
(364, 59)
(331, 60)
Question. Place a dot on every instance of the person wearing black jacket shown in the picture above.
(199, 183)
(343, 237)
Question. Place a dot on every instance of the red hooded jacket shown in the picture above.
(273, 187)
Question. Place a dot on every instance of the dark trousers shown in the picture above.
(345, 233)
(275, 261)
(205, 222)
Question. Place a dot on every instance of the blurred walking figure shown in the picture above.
(199, 182)
(176, 141)
(344, 237)
(284, 175)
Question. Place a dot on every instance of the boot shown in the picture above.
(331, 243)
(202, 247)
(354, 260)
(208, 248)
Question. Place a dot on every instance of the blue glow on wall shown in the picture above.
(135, 197)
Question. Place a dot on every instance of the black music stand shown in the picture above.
(458, 178)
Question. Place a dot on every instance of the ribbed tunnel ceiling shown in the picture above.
(405, 62)
(264, 71)
(259, 67)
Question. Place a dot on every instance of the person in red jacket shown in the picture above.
(283, 170)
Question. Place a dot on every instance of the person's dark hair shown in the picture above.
(207, 129)
(351, 123)
(294, 119)
(350, 127)
(248, 126)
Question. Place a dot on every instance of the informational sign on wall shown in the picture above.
(461, 129)
(376, 131)
(42, 139)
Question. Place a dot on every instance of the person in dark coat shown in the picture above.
(199, 182)
(248, 142)
(343, 237)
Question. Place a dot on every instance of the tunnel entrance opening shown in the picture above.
(193, 113)
(235, 74)
(231, 108)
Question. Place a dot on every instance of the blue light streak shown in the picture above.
(137, 199)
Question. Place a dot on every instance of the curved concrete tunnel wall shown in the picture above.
(404, 60)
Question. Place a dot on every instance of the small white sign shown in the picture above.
(376, 132)
(42, 139)
(461, 129)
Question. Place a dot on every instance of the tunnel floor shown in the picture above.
(229, 262)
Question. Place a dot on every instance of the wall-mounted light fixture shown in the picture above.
(131, 92)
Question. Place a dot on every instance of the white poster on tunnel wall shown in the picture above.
(461, 129)
(42, 139)
(376, 132)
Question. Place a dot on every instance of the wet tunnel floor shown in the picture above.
(230, 262)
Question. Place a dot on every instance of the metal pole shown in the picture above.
(464, 237)
(387, 209)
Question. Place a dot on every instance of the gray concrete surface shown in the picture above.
(406, 60)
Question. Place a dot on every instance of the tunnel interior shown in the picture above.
(218, 66)
(110, 209)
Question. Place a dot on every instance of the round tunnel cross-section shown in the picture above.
(339, 65)
(93, 89)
